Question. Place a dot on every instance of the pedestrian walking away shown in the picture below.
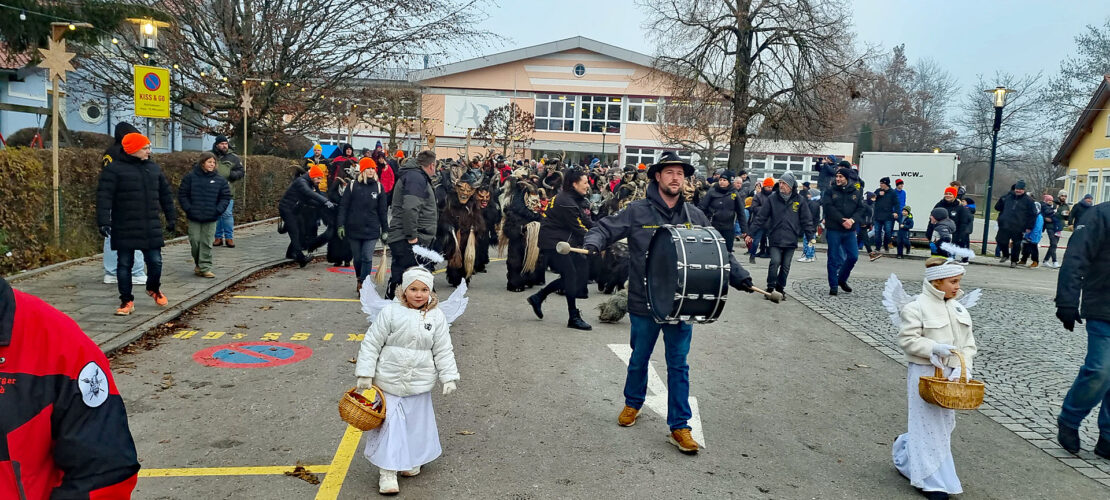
(129, 195)
(230, 167)
(1083, 293)
(637, 222)
(413, 215)
(203, 195)
(842, 206)
(784, 217)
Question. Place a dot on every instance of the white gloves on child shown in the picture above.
(943, 350)
(448, 388)
(955, 375)
(365, 383)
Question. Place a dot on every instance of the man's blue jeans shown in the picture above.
(153, 258)
(1092, 385)
(225, 225)
(842, 257)
(110, 261)
(676, 342)
(884, 232)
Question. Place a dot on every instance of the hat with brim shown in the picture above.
(669, 158)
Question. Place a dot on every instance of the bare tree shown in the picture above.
(700, 126)
(1023, 123)
(758, 57)
(926, 124)
(294, 57)
(1068, 92)
(1038, 171)
(390, 109)
(506, 127)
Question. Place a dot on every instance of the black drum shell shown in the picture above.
(687, 274)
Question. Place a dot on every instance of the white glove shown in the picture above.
(365, 383)
(937, 362)
(943, 350)
(955, 375)
(448, 388)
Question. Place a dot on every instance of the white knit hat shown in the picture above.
(416, 273)
(940, 272)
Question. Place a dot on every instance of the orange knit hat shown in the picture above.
(315, 170)
(366, 163)
(953, 190)
(133, 142)
(400, 154)
(768, 182)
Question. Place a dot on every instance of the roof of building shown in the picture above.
(10, 61)
(578, 42)
(1083, 125)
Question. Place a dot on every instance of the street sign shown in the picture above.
(152, 92)
(252, 355)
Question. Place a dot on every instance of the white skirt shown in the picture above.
(408, 438)
(924, 453)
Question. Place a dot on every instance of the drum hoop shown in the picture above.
(721, 270)
(682, 245)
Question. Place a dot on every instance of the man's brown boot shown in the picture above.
(218, 242)
(685, 443)
(628, 416)
(230, 243)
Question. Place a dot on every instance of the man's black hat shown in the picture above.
(667, 159)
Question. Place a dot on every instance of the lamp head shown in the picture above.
(998, 95)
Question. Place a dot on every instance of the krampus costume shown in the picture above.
(461, 223)
(491, 216)
(520, 226)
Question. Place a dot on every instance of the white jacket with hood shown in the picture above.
(931, 320)
(405, 350)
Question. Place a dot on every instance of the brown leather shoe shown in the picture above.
(628, 416)
(685, 443)
(218, 242)
(230, 243)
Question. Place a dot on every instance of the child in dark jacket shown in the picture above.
(944, 230)
(902, 241)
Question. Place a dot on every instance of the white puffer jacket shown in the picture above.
(931, 320)
(405, 349)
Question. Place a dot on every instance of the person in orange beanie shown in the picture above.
(128, 190)
(303, 194)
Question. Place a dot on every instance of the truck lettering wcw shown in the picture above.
(910, 174)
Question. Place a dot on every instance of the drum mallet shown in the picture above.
(775, 297)
(564, 248)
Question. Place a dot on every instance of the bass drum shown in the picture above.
(687, 274)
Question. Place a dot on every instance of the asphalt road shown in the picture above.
(791, 405)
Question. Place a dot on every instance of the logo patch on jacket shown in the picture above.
(794, 206)
(734, 196)
(93, 384)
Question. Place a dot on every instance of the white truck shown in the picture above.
(925, 176)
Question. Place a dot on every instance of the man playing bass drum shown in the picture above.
(638, 222)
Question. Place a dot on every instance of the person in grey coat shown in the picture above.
(785, 216)
(414, 215)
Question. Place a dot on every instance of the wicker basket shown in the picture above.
(354, 409)
(962, 394)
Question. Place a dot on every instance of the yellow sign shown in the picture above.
(152, 92)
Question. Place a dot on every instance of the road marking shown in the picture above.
(310, 299)
(657, 394)
(228, 471)
(340, 463)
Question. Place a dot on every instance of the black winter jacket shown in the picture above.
(1085, 273)
(415, 213)
(886, 203)
(363, 211)
(229, 165)
(958, 214)
(301, 192)
(842, 202)
(567, 218)
(130, 195)
(784, 220)
(1016, 213)
(1077, 212)
(723, 207)
(203, 195)
(638, 222)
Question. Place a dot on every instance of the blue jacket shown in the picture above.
(901, 201)
(1034, 236)
(905, 225)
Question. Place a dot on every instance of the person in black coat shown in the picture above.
(567, 219)
(957, 213)
(363, 213)
(129, 194)
(723, 205)
(886, 212)
(302, 194)
(204, 196)
(843, 207)
(491, 215)
(784, 217)
(1017, 215)
(115, 151)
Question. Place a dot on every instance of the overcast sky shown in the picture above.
(967, 37)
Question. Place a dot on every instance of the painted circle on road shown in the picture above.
(151, 81)
(252, 354)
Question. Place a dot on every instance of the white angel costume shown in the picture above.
(924, 453)
(406, 351)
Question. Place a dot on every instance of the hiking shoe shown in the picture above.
(844, 286)
(159, 298)
(230, 243)
(218, 242)
(1013, 264)
(832, 292)
(207, 274)
(1068, 438)
(685, 443)
(627, 418)
(411, 472)
(197, 271)
(126, 309)
(1033, 265)
(1003, 260)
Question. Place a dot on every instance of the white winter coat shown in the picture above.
(405, 349)
(931, 320)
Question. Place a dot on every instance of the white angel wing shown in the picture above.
(454, 306)
(970, 299)
(957, 252)
(894, 299)
(372, 303)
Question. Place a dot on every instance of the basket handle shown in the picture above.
(938, 373)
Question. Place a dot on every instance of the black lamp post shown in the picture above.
(999, 98)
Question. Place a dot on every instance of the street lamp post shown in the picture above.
(999, 98)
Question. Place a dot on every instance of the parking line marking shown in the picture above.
(228, 471)
(337, 473)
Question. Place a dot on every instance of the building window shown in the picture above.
(1073, 177)
(160, 138)
(1092, 183)
(579, 70)
(92, 112)
(555, 112)
(600, 114)
(636, 156)
(1105, 187)
(643, 109)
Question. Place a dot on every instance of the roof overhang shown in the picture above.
(1083, 125)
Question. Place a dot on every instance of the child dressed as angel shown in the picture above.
(407, 348)
(933, 325)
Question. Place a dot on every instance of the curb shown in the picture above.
(30, 273)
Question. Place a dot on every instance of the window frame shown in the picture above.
(569, 105)
(610, 102)
(642, 104)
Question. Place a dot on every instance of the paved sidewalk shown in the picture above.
(76, 288)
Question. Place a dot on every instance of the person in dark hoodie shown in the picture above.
(1017, 213)
(724, 206)
(413, 215)
(958, 214)
(138, 274)
(826, 170)
(303, 194)
(230, 167)
(1079, 209)
(843, 207)
(886, 212)
(756, 236)
(784, 217)
(204, 195)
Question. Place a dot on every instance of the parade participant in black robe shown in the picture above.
(523, 208)
(491, 216)
(461, 221)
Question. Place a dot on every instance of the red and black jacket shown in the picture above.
(63, 427)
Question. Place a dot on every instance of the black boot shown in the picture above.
(844, 286)
(782, 292)
(577, 322)
(536, 301)
(1069, 438)
(1102, 449)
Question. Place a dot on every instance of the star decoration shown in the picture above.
(56, 59)
(246, 105)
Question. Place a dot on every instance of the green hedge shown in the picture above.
(26, 201)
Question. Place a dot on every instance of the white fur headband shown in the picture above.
(943, 271)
